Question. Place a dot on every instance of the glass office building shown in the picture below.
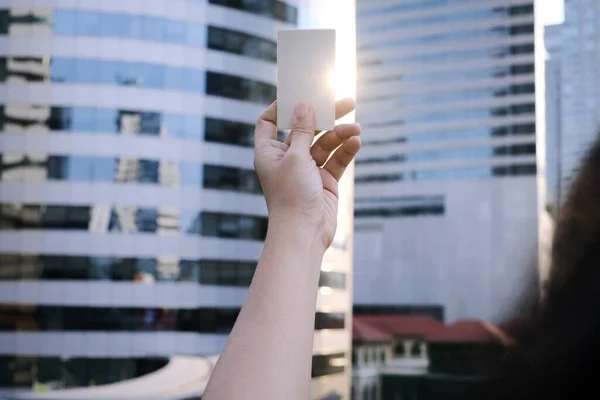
(553, 44)
(447, 182)
(580, 83)
(131, 219)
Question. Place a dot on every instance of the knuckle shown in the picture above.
(303, 128)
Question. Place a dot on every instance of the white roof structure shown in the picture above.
(184, 377)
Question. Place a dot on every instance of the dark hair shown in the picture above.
(558, 355)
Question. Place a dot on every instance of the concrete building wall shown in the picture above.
(447, 186)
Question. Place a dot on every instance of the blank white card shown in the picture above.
(305, 65)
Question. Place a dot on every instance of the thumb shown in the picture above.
(303, 130)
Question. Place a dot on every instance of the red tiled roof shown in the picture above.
(363, 332)
(401, 325)
(469, 331)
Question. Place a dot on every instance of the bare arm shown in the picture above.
(269, 352)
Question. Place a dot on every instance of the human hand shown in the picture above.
(300, 179)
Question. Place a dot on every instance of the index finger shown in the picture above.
(266, 124)
(344, 107)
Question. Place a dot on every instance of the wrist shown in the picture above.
(299, 232)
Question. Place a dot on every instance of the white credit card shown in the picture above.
(305, 65)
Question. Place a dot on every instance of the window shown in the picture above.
(23, 69)
(237, 88)
(19, 167)
(329, 321)
(416, 77)
(18, 17)
(131, 219)
(515, 170)
(477, 133)
(229, 132)
(72, 218)
(273, 9)
(109, 319)
(450, 17)
(334, 280)
(88, 120)
(429, 97)
(235, 273)
(96, 71)
(464, 154)
(241, 43)
(147, 171)
(328, 364)
(146, 220)
(135, 27)
(426, 55)
(400, 211)
(233, 179)
(410, 119)
(466, 173)
(415, 40)
(233, 226)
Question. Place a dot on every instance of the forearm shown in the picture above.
(268, 354)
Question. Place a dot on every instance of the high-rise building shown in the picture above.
(580, 83)
(131, 219)
(553, 44)
(450, 174)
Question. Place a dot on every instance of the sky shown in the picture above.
(553, 11)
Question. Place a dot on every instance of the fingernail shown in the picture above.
(302, 109)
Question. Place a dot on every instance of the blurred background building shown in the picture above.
(130, 217)
(450, 181)
(579, 41)
(553, 42)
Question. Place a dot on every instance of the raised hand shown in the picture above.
(300, 179)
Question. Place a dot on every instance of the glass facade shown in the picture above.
(447, 95)
(19, 167)
(451, 116)
(579, 86)
(32, 118)
(130, 219)
(444, 18)
(131, 74)
(73, 22)
(91, 78)
(451, 174)
(267, 8)
(234, 273)
(410, 206)
(445, 77)
(414, 77)
(441, 135)
(92, 120)
(498, 52)
(472, 153)
(242, 44)
(496, 32)
(89, 319)
(229, 132)
(236, 88)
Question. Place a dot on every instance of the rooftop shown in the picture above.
(377, 328)
(396, 325)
